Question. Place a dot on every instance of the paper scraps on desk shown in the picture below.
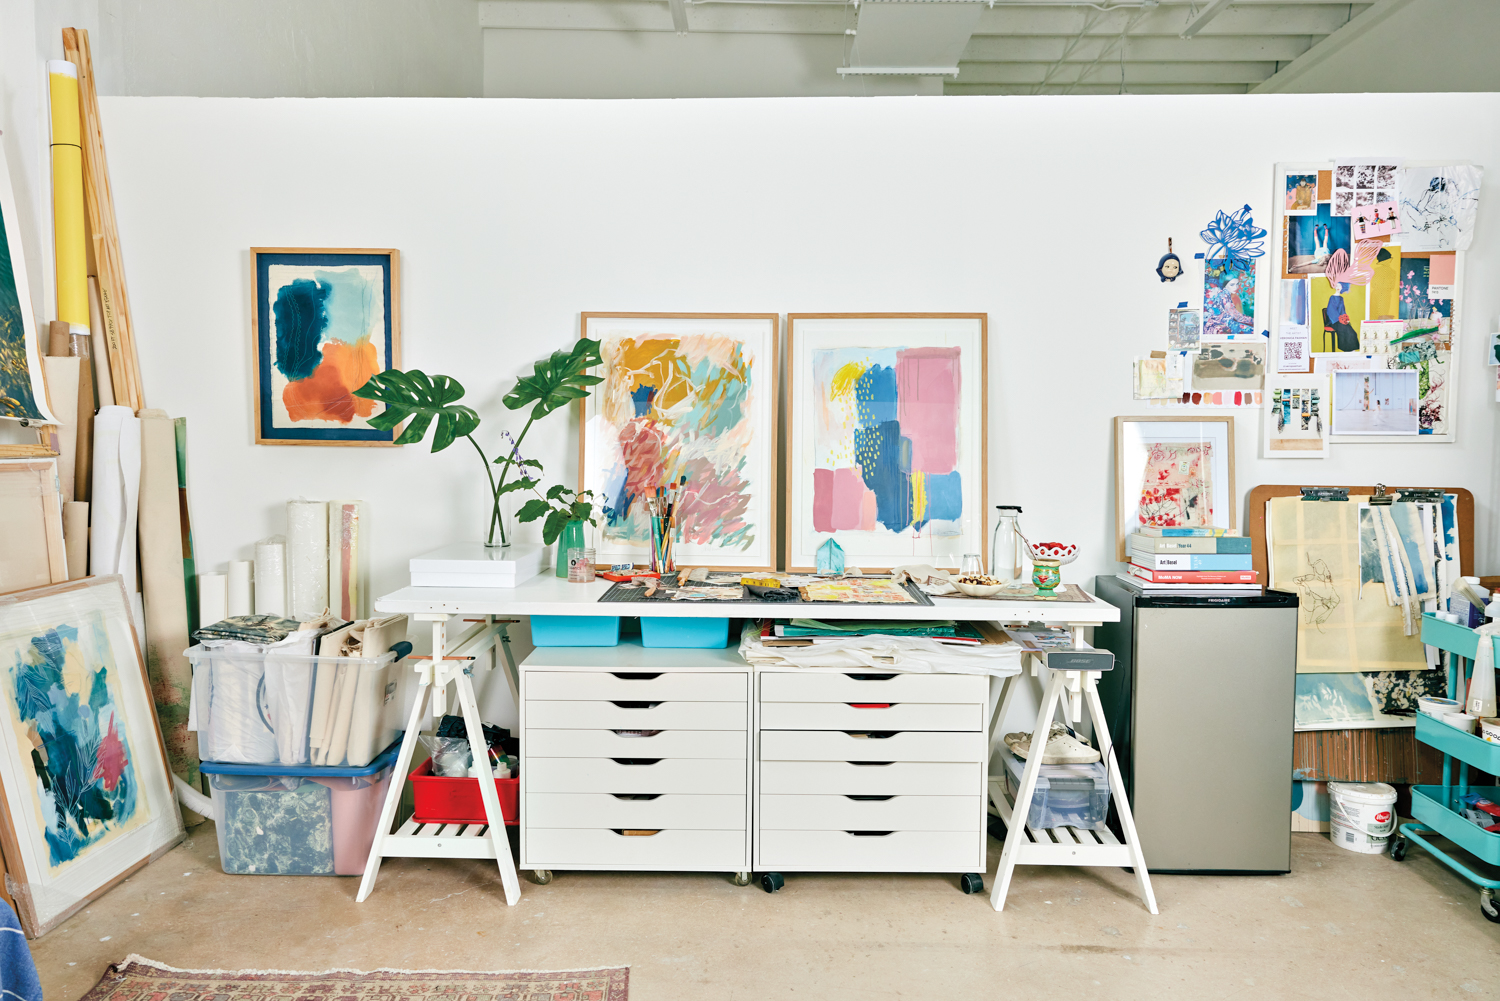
(907, 654)
(707, 593)
(869, 591)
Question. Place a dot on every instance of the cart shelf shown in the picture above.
(1465, 747)
(1435, 806)
(1452, 637)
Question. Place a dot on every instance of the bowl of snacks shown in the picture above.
(978, 585)
(1059, 551)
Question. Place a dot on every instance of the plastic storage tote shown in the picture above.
(697, 634)
(575, 630)
(1066, 795)
(279, 821)
(284, 709)
(442, 799)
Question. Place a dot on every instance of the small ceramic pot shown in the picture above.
(1046, 575)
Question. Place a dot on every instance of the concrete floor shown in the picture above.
(1340, 925)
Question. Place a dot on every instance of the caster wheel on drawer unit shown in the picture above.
(740, 879)
(771, 881)
(1487, 905)
(1398, 849)
(541, 877)
(971, 882)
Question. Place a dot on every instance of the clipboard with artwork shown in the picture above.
(1368, 260)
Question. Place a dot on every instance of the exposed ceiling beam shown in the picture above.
(1207, 14)
(651, 15)
(1338, 40)
(1242, 19)
(1109, 72)
(679, 16)
(959, 88)
(1047, 49)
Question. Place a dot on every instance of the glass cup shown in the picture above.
(580, 565)
(972, 565)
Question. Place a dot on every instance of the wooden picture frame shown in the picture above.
(325, 413)
(734, 528)
(871, 545)
(1128, 482)
(32, 550)
(66, 640)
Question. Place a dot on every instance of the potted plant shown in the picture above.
(566, 512)
(432, 401)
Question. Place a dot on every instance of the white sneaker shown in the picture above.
(1063, 748)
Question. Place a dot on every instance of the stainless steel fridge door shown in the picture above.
(1213, 705)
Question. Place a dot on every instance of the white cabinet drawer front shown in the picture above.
(839, 716)
(581, 715)
(818, 687)
(899, 813)
(902, 778)
(609, 744)
(705, 775)
(560, 848)
(680, 686)
(673, 810)
(836, 745)
(901, 851)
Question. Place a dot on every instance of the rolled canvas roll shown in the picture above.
(212, 598)
(117, 478)
(102, 385)
(62, 388)
(307, 558)
(76, 538)
(346, 559)
(270, 576)
(237, 599)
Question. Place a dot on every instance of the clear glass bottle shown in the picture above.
(1006, 556)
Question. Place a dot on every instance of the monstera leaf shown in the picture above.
(557, 380)
(423, 398)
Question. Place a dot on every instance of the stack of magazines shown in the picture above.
(807, 632)
(1169, 559)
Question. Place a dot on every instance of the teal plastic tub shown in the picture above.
(575, 630)
(693, 634)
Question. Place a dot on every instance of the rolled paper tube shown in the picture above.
(237, 599)
(76, 538)
(81, 347)
(345, 558)
(57, 341)
(117, 481)
(212, 598)
(270, 576)
(69, 240)
(307, 558)
(62, 388)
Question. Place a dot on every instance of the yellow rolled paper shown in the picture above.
(67, 198)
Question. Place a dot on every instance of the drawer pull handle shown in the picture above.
(635, 761)
(628, 704)
(627, 832)
(636, 795)
(870, 834)
(871, 705)
(868, 799)
(870, 677)
(635, 733)
(872, 734)
(867, 764)
(636, 675)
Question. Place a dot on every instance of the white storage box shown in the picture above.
(1066, 795)
(472, 564)
(266, 709)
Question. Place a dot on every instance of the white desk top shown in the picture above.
(551, 595)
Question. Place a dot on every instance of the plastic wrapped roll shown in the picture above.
(117, 483)
(212, 598)
(307, 558)
(270, 576)
(347, 530)
(237, 589)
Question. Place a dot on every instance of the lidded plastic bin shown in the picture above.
(260, 708)
(663, 632)
(279, 821)
(1066, 795)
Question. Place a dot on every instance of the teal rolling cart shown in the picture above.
(1436, 807)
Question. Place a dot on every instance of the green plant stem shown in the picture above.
(505, 469)
(495, 507)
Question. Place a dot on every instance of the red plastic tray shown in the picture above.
(439, 799)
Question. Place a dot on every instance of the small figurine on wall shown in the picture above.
(1170, 265)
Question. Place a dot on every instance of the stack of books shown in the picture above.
(1197, 558)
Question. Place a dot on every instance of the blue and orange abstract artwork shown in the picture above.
(325, 321)
(62, 703)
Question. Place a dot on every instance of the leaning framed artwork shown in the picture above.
(325, 321)
(887, 439)
(85, 792)
(1173, 472)
(688, 402)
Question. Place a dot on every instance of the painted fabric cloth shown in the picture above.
(250, 629)
(18, 979)
(1175, 488)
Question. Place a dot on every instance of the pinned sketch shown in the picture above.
(1438, 206)
(1182, 328)
(1359, 183)
(1228, 300)
(1375, 402)
(1234, 237)
(1311, 241)
(1301, 194)
(1230, 367)
(1380, 219)
(1294, 349)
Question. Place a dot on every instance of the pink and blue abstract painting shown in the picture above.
(886, 440)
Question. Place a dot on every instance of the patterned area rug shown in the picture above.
(138, 978)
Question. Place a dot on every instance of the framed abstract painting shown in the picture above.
(688, 402)
(85, 792)
(1173, 472)
(325, 321)
(887, 439)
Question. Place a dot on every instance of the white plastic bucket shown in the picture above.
(1435, 707)
(1361, 815)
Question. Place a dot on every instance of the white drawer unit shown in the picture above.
(635, 759)
(869, 771)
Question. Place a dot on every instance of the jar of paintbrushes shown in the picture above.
(663, 510)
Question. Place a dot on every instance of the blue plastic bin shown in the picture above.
(575, 630)
(693, 634)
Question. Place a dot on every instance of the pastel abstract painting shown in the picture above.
(690, 402)
(63, 703)
(325, 323)
(887, 446)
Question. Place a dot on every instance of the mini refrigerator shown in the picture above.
(1200, 708)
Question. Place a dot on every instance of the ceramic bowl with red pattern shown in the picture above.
(1059, 551)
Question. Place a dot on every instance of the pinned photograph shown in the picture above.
(1228, 300)
(1297, 420)
(1371, 221)
(1183, 328)
(1230, 366)
(1312, 239)
(1376, 402)
(1301, 194)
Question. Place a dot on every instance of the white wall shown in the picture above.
(512, 216)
